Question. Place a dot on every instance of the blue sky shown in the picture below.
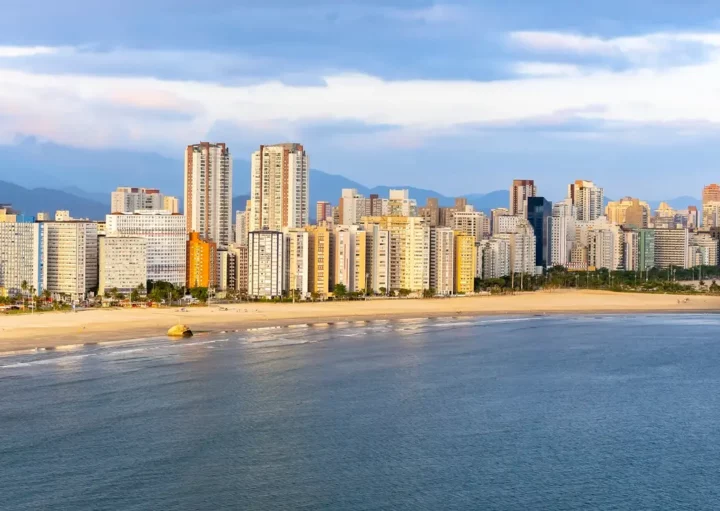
(459, 96)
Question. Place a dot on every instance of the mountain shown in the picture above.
(678, 203)
(31, 201)
(102, 198)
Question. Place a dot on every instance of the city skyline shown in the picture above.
(520, 94)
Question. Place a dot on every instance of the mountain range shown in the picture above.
(81, 180)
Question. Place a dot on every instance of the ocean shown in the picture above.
(487, 413)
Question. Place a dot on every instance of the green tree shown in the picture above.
(429, 293)
(199, 293)
(404, 292)
(383, 291)
(134, 295)
(340, 291)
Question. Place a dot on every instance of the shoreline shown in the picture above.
(51, 331)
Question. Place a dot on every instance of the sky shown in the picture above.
(458, 97)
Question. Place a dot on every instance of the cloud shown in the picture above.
(436, 13)
(80, 108)
(25, 51)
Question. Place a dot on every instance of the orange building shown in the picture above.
(201, 262)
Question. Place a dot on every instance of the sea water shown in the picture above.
(488, 413)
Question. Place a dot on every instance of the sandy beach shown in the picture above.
(20, 332)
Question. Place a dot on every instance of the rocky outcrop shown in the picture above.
(180, 331)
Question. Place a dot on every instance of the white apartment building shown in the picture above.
(166, 241)
(495, 215)
(378, 258)
(349, 254)
(127, 199)
(442, 260)
(631, 260)
(122, 263)
(208, 192)
(352, 207)
(507, 224)
(601, 249)
(711, 214)
(72, 258)
(279, 188)
(671, 248)
(522, 248)
(297, 242)
(23, 256)
(496, 257)
(710, 245)
(266, 264)
(587, 199)
(237, 267)
(241, 227)
(559, 237)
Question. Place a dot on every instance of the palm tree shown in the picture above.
(24, 287)
(31, 289)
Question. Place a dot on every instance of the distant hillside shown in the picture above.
(32, 201)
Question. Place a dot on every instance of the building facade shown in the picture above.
(442, 260)
(129, 199)
(587, 199)
(671, 248)
(520, 191)
(122, 264)
(208, 192)
(202, 262)
(465, 264)
(72, 258)
(280, 187)
(23, 255)
(266, 264)
(166, 241)
(539, 212)
(297, 242)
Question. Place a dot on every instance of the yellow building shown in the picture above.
(628, 211)
(7, 216)
(201, 262)
(465, 263)
(409, 254)
(320, 260)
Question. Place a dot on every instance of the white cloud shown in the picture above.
(641, 45)
(26, 51)
(81, 109)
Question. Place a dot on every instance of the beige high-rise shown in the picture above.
(72, 260)
(279, 187)
(520, 191)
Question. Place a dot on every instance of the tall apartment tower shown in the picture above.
(72, 260)
(539, 212)
(280, 188)
(323, 211)
(208, 192)
(442, 260)
(266, 264)
(711, 193)
(520, 191)
(587, 199)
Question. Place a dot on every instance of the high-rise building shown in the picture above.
(352, 207)
(350, 258)
(378, 258)
(711, 193)
(208, 192)
(7, 214)
(280, 189)
(495, 215)
(646, 249)
(43, 216)
(166, 241)
(631, 246)
(628, 211)
(709, 247)
(496, 257)
(63, 215)
(671, 248)
(539, 211)
(431, 212)
(127, 199)
(122, 263)
(711, 214)
(409, 251)
(522, 248)
(323, 211)
(320, 255)
(442, 260)
(561, 235)
(520, 191)
(601, 249)
(23, 255)
(471, 223)
(202, 259)
(693, 220)
(400, 203)
(297, 241)
(465, 263)
(587, 199)
(507, 224)
(266, 264)
(241, 227)
(238, 268)
(171, 204)
(72, 258)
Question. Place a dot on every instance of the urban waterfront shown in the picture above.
(563, 412)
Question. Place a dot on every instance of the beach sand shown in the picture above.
(20, 332)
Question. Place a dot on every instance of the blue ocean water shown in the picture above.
(493, 413)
